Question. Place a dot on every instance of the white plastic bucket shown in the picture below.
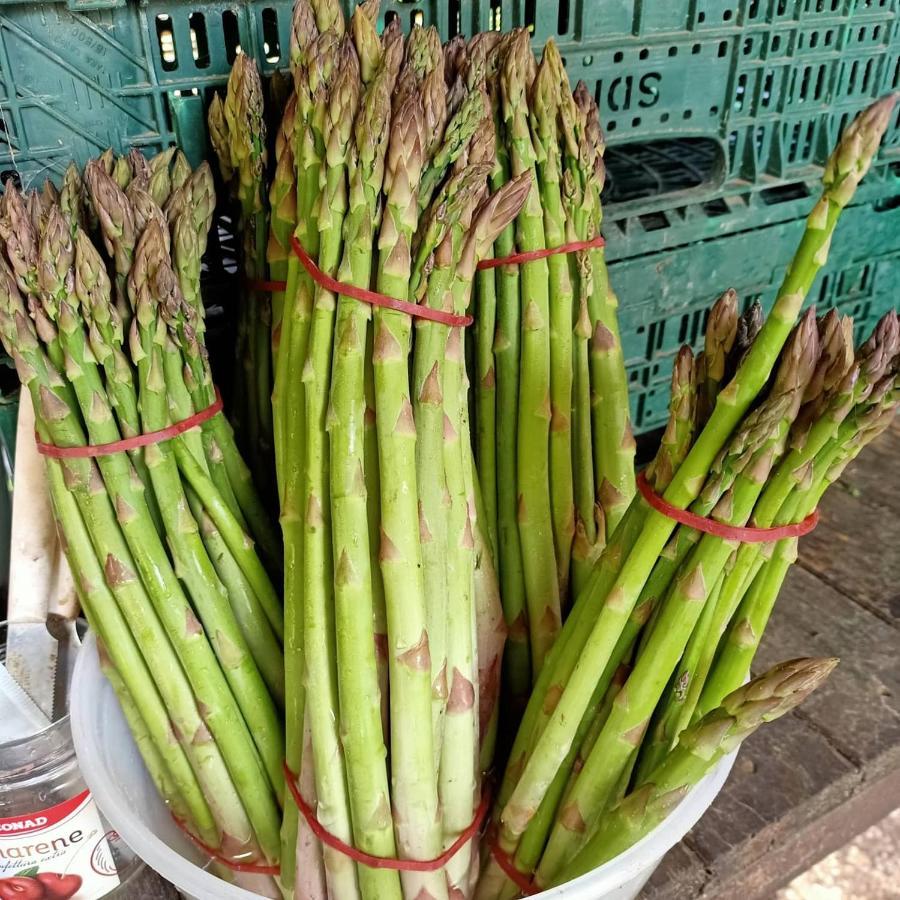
(115, 773)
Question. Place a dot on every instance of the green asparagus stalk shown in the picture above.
(441, 249)
(544, 116)
(459, 775)
(243, 114)
(317, 59)
(534, 512)
(318, 578)
(674, 446)
(743, 638)
(841, 385)
(613, 441)
(137, 682)
(506, 347)
(363, 737)
(414, 781)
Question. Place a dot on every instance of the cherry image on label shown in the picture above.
(43, 886)
(22, 888)
(59, 887)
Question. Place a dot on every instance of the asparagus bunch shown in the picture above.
(392, 613)
(554, 447)
(187, 618)
(238, 135)
(760, 423)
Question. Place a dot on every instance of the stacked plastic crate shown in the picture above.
(718, 113)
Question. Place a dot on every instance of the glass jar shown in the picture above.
(54, 844)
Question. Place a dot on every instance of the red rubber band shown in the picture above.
(373, 297)
(515, 259)
(264, 286)
(746, 534)
(525, 884)
(139, 440)
(234, 865)
(383, 862)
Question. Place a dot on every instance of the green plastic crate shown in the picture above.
(702, 100)
(666, 295)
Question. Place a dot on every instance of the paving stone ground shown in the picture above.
(868, 868)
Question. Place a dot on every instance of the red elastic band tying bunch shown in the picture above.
(516, 259)
(525, 884)
(373, 297)
(746, 534)
(139, 440)
(234, 865)
(414, 309)
(383, 862)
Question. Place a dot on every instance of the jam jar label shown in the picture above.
(57, 853)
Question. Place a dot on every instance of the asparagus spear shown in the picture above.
(243, 114)
(137, 681)
(459, 776)
(506, 347)
(544, 116)
(440, 249)
(742, 640)
(534, 513)
(673, 448)
(318, 63)
(613, 442)
(363, 738)
(117, 226)
(282, 222)
(92, 288)
(412, 753)
(71, 197)
(721, 332)
(842, 387)
(318, 576)
(205, 589)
